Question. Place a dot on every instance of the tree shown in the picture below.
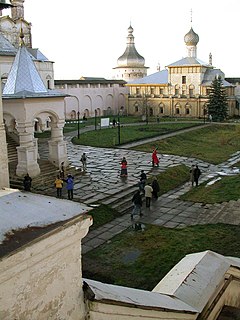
(217, 104)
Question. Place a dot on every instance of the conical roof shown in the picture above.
(24, 79)
(23, 75)
(131, 58)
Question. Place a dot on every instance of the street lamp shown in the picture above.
(78, 124)
(95, 119)
(146, 113)
(119, 135)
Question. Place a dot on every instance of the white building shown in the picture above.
(130, 65)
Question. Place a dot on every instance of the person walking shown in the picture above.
(84, 161)
(148, 194)
(123, 164)
(58, 185)
(196, 174)
(156, 188)
(192, 174)
(155, 160)
(143, 179)
(62, 170)
(137, 202)
(27, 182)
(70, 184)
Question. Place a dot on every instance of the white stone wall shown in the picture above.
(130, 73)
(43, 280)
(88, 99)
(102, 311)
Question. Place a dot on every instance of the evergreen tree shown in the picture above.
(217, 103)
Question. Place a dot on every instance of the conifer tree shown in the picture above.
(217, 103)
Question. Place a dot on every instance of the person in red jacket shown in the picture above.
(123, 167)
(155, 160)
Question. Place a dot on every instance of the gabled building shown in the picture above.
(181, 89)
(29, 106)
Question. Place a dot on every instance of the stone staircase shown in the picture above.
(43, 183)
(12, 149)
(122, 202)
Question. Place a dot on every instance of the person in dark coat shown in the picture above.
(196, 174)
(137, 202)
(143, 179)
(27, 182)
(156, 188)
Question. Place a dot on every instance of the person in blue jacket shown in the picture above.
(70, 184)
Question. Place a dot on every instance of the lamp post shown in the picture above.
(119, 134)
(78, 124)
(204, 114)
(146, 113)
(95, 119)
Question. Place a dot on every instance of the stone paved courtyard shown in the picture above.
(102, 183)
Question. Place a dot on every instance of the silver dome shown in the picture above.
(130, 58)
(191, 38)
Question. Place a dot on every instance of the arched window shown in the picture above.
(176, 90)
(191, 90)
(187, 109)
(161, 108)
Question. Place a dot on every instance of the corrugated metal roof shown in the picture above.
(23, 75)
(6, 48)
(37, 54)
(160, 77)
(189, 61)
(211, 74)
(24, 80)
(122, 295)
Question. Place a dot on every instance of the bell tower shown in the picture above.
(17, 9)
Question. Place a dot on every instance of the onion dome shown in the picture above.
(130, 58)
(191, 38)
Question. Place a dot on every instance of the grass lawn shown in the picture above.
(213, 144)
(141, 259)
(108, 138)
(226, 189)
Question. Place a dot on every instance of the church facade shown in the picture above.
(181, 90)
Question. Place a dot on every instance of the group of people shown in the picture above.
(69, 180)
(69, 185)
(149, 190)
(123, 163)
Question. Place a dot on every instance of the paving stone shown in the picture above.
(102, 184)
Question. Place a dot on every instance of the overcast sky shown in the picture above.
(85, 38)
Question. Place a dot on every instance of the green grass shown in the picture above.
(226, 189)
(172, 178)
(102, 215)
(108, 138)
(213, 144)
(142, 259)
